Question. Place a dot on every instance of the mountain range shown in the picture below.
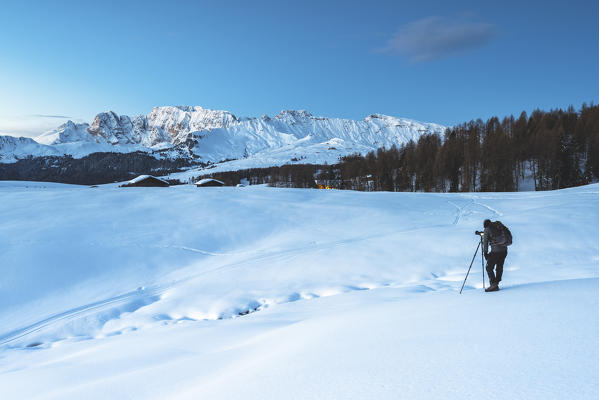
(212, 135)
(172, 137)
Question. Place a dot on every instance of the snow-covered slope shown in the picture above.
(213, 136)
(14, 148)
(264, 293)
(68, 132)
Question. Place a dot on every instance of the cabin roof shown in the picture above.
(204, 181)
(144, 177)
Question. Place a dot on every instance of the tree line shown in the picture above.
(95, 168)
(290, 176)
(544, 150)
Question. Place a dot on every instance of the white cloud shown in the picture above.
(436, 37)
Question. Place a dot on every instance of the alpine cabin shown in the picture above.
(146, 181)
(209, 182)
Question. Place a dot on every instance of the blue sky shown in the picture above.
(444, 62)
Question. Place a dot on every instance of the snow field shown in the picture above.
(283, 293)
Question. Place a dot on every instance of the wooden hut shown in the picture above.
(209, 182)
(146, 181)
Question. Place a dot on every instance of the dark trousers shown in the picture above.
(495, 262)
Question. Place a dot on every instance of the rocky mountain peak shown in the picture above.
(295, 114)
(113, 128)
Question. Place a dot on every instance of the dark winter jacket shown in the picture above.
(490, 237)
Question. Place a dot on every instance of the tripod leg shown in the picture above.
(471, 262)
(482, 261)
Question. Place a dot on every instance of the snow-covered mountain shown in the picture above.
(213, 136)
(14, 148)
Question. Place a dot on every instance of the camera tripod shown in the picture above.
(482, 261)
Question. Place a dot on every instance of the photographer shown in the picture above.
(499, 237)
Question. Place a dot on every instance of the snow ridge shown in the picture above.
(217, 135)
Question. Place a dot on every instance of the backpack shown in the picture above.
(501, 234)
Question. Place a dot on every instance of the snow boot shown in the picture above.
(493, 288)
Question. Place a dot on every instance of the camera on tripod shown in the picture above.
(482, 262)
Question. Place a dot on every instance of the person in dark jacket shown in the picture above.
(496, 239)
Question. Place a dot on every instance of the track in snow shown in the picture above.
(134, 300)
